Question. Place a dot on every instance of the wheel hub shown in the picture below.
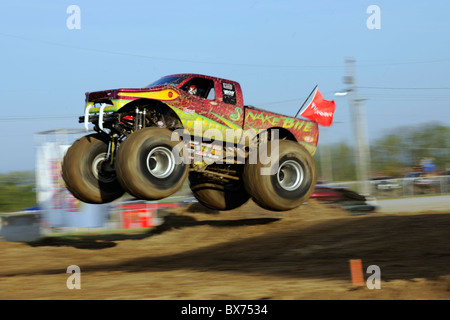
(290, 175)
(160, 162)
(98, 169)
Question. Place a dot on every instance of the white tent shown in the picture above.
(59, 207)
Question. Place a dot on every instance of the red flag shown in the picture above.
(320, 110)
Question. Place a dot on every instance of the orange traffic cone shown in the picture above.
(356, 271)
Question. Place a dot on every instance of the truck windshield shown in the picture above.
(169, 81)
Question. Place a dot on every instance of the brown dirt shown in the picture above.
(248, 253)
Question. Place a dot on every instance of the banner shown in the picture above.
(320, 110)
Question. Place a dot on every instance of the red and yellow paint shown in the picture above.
(213, 117)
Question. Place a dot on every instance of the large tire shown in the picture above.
(146, 166)
(217, 196)
(84, 174)
(291, 181)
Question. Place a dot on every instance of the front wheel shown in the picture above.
(87, 174)
(150, 165)
(285, 182)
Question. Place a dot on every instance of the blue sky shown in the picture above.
(277, 50)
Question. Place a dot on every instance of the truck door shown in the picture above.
(228, 107)
(217, 103)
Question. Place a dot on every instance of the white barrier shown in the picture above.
(20, 227)
(401, 187)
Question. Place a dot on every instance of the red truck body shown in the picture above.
(219, 104)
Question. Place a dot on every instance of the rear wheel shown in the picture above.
(87, 173)
(147, 165)
(217, 196)
(283, 184)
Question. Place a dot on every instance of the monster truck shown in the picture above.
(148, 141)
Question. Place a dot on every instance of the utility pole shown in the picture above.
(362, 155)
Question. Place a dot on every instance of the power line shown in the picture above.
(35, 118)
(218, 63)
(168, 59)
(409, 147)
(403, 63)
(404, 88)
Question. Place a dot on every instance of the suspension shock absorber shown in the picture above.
(144, 115)
(114, 147)
(138, 120)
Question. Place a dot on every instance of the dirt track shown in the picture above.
(249, 253)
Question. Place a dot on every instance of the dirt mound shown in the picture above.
(249, 253)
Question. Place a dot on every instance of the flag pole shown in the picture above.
(306, 101)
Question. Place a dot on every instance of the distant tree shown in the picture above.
(395, 153)
(429, 141)
(387, 155)
(17, 191)
(405, 147)
(18, 178)
(342, 162)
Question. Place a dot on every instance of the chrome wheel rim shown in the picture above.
(97, 171)
(290, 175)
(160, 162)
